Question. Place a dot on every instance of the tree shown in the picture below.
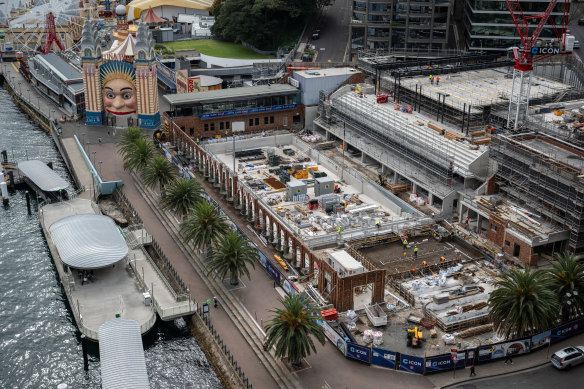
(182, 196)
(231, 256)
(523, 303)
(138, 155)
(567, 277)
(128, 137)
(159, 171)
(291, 328)
(203, 225)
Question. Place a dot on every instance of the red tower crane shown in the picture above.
(530, 52)
(51, 35)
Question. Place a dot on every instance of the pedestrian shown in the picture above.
(215, 302)
(99, 140)
(431, 79)
(437, 81)
(472, 371)
(416, 252)
(108, 133)
(266, 345)
(508, 358)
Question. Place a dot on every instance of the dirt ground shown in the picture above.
(391, 255)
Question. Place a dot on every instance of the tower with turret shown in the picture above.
(146, 79)
(91, 61)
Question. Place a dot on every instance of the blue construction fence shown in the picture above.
(281, 279)
(426, 365)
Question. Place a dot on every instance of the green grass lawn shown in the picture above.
(217, 49)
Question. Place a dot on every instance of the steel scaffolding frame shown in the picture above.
(542, 183)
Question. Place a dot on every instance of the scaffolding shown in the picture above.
(542, 182)
(406, 135)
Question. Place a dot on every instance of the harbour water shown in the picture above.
(39, 342)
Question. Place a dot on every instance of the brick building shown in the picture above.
(211, 113)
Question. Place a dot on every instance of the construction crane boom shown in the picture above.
(524, 56)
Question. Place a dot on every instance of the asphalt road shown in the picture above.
(334, 31)
(578, 32)
(543, 377)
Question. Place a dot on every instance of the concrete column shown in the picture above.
(395, 177)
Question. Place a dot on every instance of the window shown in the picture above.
(266, 120)
(206, 127)
(271, 120)
(250, 122)
(221, 125)
(257, 121)
(285, 121)
(516, 250)
(227, 125)
(191, 131)
(507, 243)
(493, 227)
(212, 126)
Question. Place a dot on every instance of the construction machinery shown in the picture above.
(533, 50)
(415, 337)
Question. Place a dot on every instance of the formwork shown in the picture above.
(545, 175)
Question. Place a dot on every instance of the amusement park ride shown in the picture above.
(534, 50)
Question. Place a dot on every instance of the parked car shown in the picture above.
(581, 22)
(315, 34)
(576, 44)
(568, 357)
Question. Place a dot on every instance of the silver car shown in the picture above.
(568, 357)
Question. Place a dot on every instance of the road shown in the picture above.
(542, 377)
(333, 24)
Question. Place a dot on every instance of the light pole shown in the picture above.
(83, 140)
(100, 162)
(51, 114)
(20, 87)
(93, 155)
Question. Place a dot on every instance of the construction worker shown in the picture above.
(437, 81)
(405, 244)
(424, 263)
(431, 79)
(378, 224)
(416, 252)
(339, 230)
(442, 259)
(197, 140)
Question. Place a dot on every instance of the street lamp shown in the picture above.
(93, 155)
(83, 140)
(100, 162)
(20, 88)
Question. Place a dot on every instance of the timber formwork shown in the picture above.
(542, 183)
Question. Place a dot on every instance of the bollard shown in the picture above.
(27, 195)
(84, 348)
(11, 180)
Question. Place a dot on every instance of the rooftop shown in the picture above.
(230, 94)
(60, 67)
(205, 80)
(326, 72)
(121, 354)
(88, 241)
(480, 87)
(555, 149)
(43, 176)
(345, 259)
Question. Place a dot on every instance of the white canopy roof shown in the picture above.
(43, 176)
(88, 241)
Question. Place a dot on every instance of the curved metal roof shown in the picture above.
(121, 354)
(43, 176)
(88, 241)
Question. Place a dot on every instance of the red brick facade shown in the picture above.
(196, 127)
(498, 234)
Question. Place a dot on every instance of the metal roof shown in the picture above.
(88, 241)
(62, 69)
(230, 94)
(43, 176)
(121, 355)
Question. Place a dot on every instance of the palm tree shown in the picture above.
(291, 328)
(232, 255)
(129, 136)
(159, 171)
(568, 284)
(138, 155)
(523, 303)
(181, 196)
(203, 225)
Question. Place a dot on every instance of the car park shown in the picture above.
(568, 357)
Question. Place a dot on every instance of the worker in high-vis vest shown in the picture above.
(431, 79)
(405, 244)
(416, 252)
(339, 229)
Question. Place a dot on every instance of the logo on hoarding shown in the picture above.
(411, 363)
(357, 352)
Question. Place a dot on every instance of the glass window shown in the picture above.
(221, 125)
(212, 126)
(206, 127)
(227, 125)
(359, 5)
(266, 119)
(271, 120)
(257, 121)
(250, 122)
(285, 121)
